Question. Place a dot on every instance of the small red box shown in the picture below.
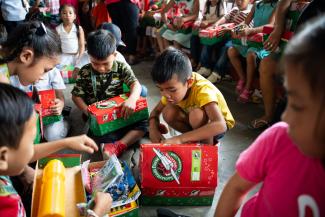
(46, 97)
(192, 181)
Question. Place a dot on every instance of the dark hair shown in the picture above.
(74, 10)
(16, 108)
(307, 52)
(32, 34)
(101, 44)
(171, 61)
(219, 7)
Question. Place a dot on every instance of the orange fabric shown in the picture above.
(100, 14)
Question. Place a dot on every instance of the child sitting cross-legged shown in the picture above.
(18, 130)
(190, 103)
(103, 79)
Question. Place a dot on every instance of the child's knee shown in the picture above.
(251, 57)
(170, 113)
(232, 52)
(197, 118)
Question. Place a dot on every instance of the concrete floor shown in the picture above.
(235, 141)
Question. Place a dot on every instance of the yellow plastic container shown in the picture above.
(52, 199)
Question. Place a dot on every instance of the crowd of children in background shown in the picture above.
(80, 34)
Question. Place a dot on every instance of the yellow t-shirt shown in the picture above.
(201, 93)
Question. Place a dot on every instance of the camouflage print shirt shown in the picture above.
(93, 86)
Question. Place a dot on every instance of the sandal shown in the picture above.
(259, 124)
(240, 86)
(244, 97)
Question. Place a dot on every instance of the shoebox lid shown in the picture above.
(194, 170)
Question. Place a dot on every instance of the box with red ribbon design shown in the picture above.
(215, 34)
(46, 98)
(105, 115)
(184, 174)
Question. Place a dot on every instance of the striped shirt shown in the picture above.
(237, 16)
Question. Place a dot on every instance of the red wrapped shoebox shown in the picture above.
(213, 35)
(178, 174)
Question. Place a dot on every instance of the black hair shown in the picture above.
(16, 108)
(101, 44)
(273, 2)
(32, 34)
(306, 52)
(219, 8)
(171, 61)
(74, 10)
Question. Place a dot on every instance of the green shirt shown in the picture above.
(93, 86)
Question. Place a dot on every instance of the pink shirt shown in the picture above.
(293, 184)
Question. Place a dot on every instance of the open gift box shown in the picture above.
(178, 174)
(74, 189)
(67, 74)
(105, 116)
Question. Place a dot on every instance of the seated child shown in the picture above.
(190, 103)
(103, 79)
(50, 80)
(18, 130)
(288, 159)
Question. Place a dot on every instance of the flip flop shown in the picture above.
(259, 124)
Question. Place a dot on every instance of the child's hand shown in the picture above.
(245, 32)
(103, 203)
(128, 108)
(204, 24)
(178, 22)
(155, 135)
(173, 140)
(57, 108)
(81, 143)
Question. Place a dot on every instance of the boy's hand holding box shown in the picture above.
(178, 174)
(105, 116)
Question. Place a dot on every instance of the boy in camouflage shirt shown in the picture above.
(102, 79)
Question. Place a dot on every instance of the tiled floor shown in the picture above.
(235, 141)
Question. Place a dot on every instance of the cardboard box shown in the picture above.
(293, 14)
(191, 181)
(128, 207)
(255, 40)
(67, 74)
(213, 35)
(105, 116)
(46, 98)
(75, 192)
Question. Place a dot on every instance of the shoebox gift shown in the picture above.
(293, 14)
(215, 34)
(58, 189)
(46, 98)
(178, 174)
(112, 177)
(67, 74)
(105, 116)
(255, 40)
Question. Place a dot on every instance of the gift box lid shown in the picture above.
(112, 107)
(178, 166)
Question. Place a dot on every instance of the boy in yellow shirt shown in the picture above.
(190, 103)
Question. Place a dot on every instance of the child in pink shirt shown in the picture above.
(289, 157)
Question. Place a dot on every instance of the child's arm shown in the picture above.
(195, 12)
(129, 105)
(79, 143)
(154, 132)
(103, 203)
(58, 103)
(273, 40)
(81, 42)
(165, 10)
(217, 125)
(232, 196)
(80, 103)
